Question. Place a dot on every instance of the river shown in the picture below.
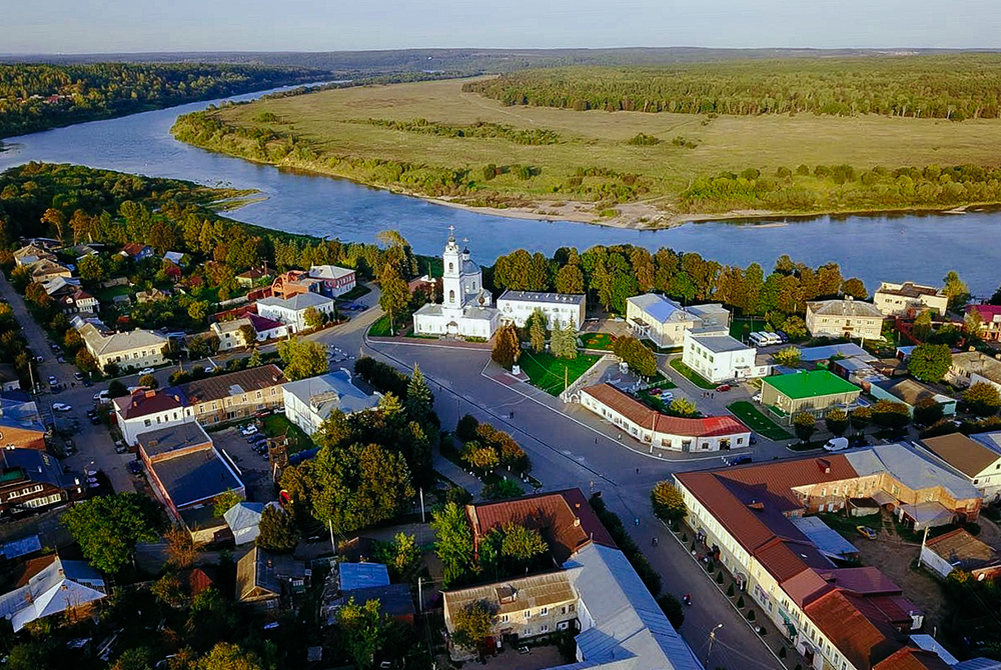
(920, 248)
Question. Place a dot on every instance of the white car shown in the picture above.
(756, 397)
(61, 407)
(249, 429)
(146, 371)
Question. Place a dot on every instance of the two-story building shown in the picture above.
(974, 367)
(292, 311)
(977, 458)
(713, 354)
(990, 315)
(558, 308)
(147, 409)
(661, 320)
(336, 280)
(31, 479)
(309, 402)
(909, 299)
(134, 349)
(234, 395)
(844, 318)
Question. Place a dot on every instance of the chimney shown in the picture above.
(149, 393)
(825, 465)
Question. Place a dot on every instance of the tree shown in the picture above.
(364, 631)
(836, 421)
(181, 551)
(465, 429)
(312, 317)
(454, 546)
(302, 358)
(536, 323)
(982, 399)
(636, 355)
(226, 656)
(973, 323)
(225, 501)
(564, 341)
(108, 528)
(923, 325)
(198, 310)
(570, 279)
(170, 590)
(473, 624)
(794, 327)
(401, 556)
(930, 362)
(502, 490)
(507, 347)
(892, 415)
(859, 418)
(56, 219)
(420, 400)
(249, 336)
(804, 425)
(522, 544)
(927, 411)
(91, 269)
(278, 530)
(137, 658)
(667, 502)
(86, 361)
(955, 289)
(683, 407)
(204, 346)
(480, 457)
(149, 381)
(254, 360)
(787, 356)
(855, 288)
(395, 293)
(116, 389)
(672, 609)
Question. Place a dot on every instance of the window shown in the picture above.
(544, 611)
(146, 423)
(451, 267)
(503, 618)
(544, 628)
(573, 606)
(528, 614)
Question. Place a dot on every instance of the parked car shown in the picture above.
(783, 337)
(723, 388)
(78, 376)
(739, 459)
(135, 468)
(120, 447)
(52, 380)
(866, 532)
(249, 429)
(836, 444)
(146, 371)
(61, 407)
(95, 420)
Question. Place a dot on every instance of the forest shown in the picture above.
(38, 97)
(955, 87)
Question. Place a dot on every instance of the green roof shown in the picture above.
(810, 384)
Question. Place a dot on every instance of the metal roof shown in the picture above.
(813, 384)
(546, 298)
(330, 392)
(847, 350)
(195, 476)
(829, 541)
(355, 576)
(661, 309)
(910, 469)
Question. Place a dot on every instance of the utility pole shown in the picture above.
(420, 594)
(924, 538)
(423, 519)
(333, 544)
(712, 638)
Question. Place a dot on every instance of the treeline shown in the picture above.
(481, 129)
(843, 188)
(37, 97)
(609, 275)
(957, 87)
(84, 204)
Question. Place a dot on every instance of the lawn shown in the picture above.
(691, 375)
(550, 373)
(336, 123)
(741, 328)
(358, 291)
(278, 424)
(601, 341)
(757, 421)
(381, 328)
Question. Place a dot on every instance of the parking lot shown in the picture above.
(253, 465)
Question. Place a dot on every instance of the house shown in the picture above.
(363, 582)
(595, 593)
(267, 329)
(134, 349)
(308, 402)
(146, 409)
(231, 333)
(250, 277)
(295, 282)
(18, 433)
(78, 302)
(18, 406)
(712, 353)
(467, 309)
(57, 287)
(152, 295)
(233, 395)
(658, 319)
(958, 549)
(909, 299)
(185, 468)
(660, 431)
(292, 311)
(910, 392)
(972, 367)
(268, 581)
(32, 253)
(177, 258)
(836, 617)
(558, 308)
(50, 585)
(244, 520)
(815, 392)
(991, 317)
(847, 318)
(136, 251)
(31, 480)
(44, 269)
(978, 460)
(336, 280)
(9, 379)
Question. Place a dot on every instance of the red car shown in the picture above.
(723, 387)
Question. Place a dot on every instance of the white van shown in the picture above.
(836, 444)
(759, 339)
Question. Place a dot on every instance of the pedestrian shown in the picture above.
(596, 440)
(637, 470)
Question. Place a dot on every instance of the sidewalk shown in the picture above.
(458, 476)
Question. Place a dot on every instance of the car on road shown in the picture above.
(146, 371)
(61, 407)
(723, 388)
(836, 444)
(866, 532)
(739, 459)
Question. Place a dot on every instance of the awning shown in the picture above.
(929, 514)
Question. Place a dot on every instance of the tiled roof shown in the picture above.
(863, 642)
(143, 403)
(966, 455)
(909, 658)
(232, 383)
(642, 415)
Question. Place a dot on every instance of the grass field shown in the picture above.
(278, 424)
(550, 373)
(757, 421)
(691, 375)
(601, 341)
(335, 124)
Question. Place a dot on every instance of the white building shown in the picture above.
(909, 299)
(336, 280)
(135, 349)
(977, 458)
(715, 355)
(292, 311)
(146, 410)
(844, 318)
(659, 319)
(974, 367)
(559, 308)
(467, 310)
(308, 402)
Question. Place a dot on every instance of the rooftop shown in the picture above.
(545, 298)
(845, 350)
(910, 469)
(515, 595)
(362, 575)
(105, 345)
(979, 363)
(298, 302)
(813, 384)
(640, 414)
(172, 438)
(847, 307)
(987, 312)
(719, 344)
(911, 391)
(661, 309)
(862, 641)
(908, 290)
(960, 548)
(967, 455)
(329, 272)
(195, 477)
(330, 392)
(143, 402)
(232, 384)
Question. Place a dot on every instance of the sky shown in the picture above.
(105, 26)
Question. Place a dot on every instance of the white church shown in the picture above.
(467, 308)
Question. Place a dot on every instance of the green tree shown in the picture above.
(116, 389)
(794, 327)
(137, 658)
(859, 418)
(108, 528)
(667, 502)
(804, 425)
(302, 358)
(312, 317)
(570, 279)
(567, 339)
(855, 288)
(249, 335)
(226, 656)
(278, 530)
(402, 556)
(149, 381)
(683, 407)
(536, 323)
(973, 323)
(930, 362)
(225, 501)
(955, 290)
(982, 399)
(86, 361)
(892, 415)
(507, 347)
(635, 354)
(480, 457)
(395, 295)
(364, 631)
(454, 544)
(420, 400)
(836, 421)
(672, 609)
(923, 325)
(91, 269)
(198, 311)
(502, 490)
(787, 356)
(473, 624)
(254, 360)
(927, 411)
(522, 544)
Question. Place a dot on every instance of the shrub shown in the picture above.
(750, 615)
(672, 608)
(782, 652)
(740, 602)
(465, 430)
(730, 590)
(719, 577)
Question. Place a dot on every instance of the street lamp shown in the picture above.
(712, 638)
